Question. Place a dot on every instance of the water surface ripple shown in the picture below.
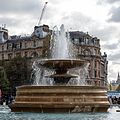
(45, 116)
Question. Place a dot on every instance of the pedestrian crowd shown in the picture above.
(114, 100)
(6, 99)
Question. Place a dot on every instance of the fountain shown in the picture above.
(55, 92)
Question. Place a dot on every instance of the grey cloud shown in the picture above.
(112, 1)
(79, 21)
(22, 8)
(15, 13)
(19, 6)
(110, 46)
(10, 21)
(55, 1)
(115, 15)
(105, 34)
(107, 1)
(112, 74)
(114, 56)
(49, 12)
(76, 20)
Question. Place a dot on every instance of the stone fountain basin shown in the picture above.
(60, 99)
(60, 63)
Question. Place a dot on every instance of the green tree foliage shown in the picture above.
(3, 80)
(18, 71)
(15, 72)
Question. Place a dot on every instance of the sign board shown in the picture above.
(113, 93)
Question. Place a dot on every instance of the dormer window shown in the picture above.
(34, 43)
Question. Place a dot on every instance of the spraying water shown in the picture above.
(60, 43)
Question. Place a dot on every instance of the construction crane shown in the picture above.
(42, 13)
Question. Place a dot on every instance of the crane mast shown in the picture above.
(42, 13)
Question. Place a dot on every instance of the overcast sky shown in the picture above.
(100, 18)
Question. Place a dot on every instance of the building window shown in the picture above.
(26, 54)
(34, 54)
(9, 46)
(99, 83)
(2, 48)
(18, 54)
(95, 64)
(95, 51)
(96, 83)
(73, 40)
(34, 43)
(89, 82)
(79, 50)
(18, 46)
(80, 40)
(102, 70)
(89, 72)
(99, 65)
(25, 45)
(87, 52)
(95, 73)
(10, 56)
(99, 73)
(2, 56)
(86, 41)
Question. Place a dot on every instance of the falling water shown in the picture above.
(39, 73)
(82, 73)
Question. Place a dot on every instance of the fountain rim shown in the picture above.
(61, 59)
(62, 86)
(60, 63)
